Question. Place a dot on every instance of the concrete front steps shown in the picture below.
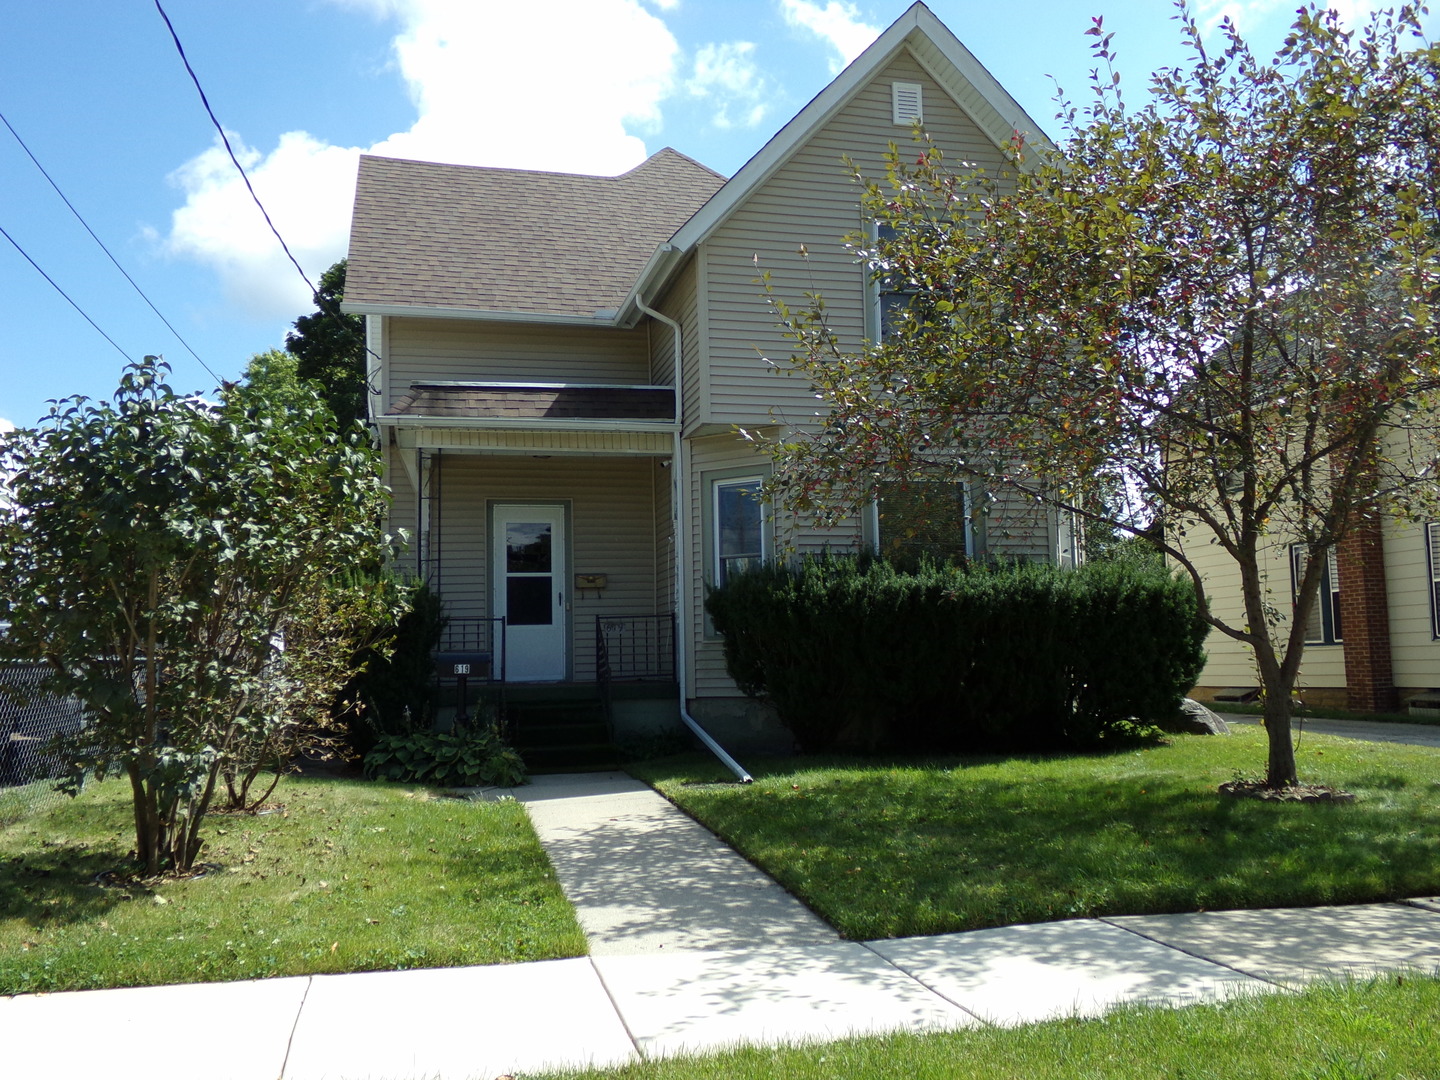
(559, 728)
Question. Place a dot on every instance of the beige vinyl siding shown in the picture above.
(1018, 528)
(680, 303)
(1229, 663)
(611, 531)
(707, 456)
(810, 201)
(1415, 654)
(460, 350)
(728, 455)
(663, 499)
(402, 505)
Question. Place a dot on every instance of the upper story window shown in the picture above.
(739, 529)
(889, 295)
(1323, 626)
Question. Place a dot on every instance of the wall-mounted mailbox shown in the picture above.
(591, 581)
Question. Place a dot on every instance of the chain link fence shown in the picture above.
(29, 721)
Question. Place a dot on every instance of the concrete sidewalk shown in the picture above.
(692, 949)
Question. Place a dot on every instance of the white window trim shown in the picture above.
(716, 558)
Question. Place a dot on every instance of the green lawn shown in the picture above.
(902, 849)
(351, 876)
(1383, 1030)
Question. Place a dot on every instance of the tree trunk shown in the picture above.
(1276, 679)
(1280, 769)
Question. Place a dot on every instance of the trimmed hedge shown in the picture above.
(856, 654)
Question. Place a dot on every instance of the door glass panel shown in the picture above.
(527, 548)
(527, 601)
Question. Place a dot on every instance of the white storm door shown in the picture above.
(529, 589)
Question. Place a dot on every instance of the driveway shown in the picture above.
(1373, 730)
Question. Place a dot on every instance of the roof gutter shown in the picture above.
(655, 271)
(525, 423)
(680, 502)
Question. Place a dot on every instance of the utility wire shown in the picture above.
(224, 138)
(63, 293)
(103, 248)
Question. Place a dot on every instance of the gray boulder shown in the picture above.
(1192, 718)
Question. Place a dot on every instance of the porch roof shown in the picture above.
(541, 402)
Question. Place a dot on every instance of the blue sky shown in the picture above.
(97, 91)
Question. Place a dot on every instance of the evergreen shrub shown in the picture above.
(393, 689)
(857, 654)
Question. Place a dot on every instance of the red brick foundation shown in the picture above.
(1365, 619)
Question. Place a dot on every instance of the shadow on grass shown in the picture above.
(57, 885)
(887, 849)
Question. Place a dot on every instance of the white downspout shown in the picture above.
(682, 552)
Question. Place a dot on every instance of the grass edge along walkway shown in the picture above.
(905, 848)
(1380, 1029)
(345, 875)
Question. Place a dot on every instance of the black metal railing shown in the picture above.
(467, 637)
(477, 634)
(634, 648)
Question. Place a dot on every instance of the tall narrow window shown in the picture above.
(891, 295)
(1323, 626)
(1432, 548)
(739, 520)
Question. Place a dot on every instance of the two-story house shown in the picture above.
(561, 364)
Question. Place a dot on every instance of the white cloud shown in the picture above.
(838, 23)
(5, 426)
(727, 73)
(1248, 14)
(487, 89)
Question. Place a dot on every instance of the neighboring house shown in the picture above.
(1373, 638)
(560, 364)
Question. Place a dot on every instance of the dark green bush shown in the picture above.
(445, 759)
(393, 690)
(857, 654)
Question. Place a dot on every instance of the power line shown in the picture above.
(224, 138)
(63, 293)
(103, 248)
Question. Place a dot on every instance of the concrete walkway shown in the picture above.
(692, 949)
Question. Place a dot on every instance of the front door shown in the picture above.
(529, 590)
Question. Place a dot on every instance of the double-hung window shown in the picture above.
(1323, 625)
(738, 524)
(890, 298)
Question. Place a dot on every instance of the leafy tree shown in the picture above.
(179, 566)
(330, 347)
(1221, 304)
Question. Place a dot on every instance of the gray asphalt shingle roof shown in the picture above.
(520, 402)
(541, 243)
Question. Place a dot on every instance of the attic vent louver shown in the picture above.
(905, 101)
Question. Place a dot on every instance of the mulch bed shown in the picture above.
(1258, 789)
